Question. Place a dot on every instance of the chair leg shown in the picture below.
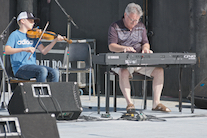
(90, 85)
(9, 91)
(3, 103)
(3, 92)
(112, 77)
(94, 92)
(145, 93)
(133, 89)
(1, 88)
(60, 75)
(105, 82)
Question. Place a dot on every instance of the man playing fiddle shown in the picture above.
(20, 47)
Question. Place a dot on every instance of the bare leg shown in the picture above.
(157, 86)
(125, 85)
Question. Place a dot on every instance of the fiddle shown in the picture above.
(48, 35)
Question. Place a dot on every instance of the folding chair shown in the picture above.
(11, 78)
(136, 77)
(78, 53)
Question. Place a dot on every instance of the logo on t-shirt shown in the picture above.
(25, 42)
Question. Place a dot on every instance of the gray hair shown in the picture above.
(133, 8)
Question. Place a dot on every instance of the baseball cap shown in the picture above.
(27, 15)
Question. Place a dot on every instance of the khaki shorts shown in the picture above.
(142, 70)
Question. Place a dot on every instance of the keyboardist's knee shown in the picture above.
(158, 72)
(123, 73)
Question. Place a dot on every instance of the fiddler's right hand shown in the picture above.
(30, 49)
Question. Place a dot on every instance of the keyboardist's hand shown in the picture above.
(147, 51)
(129, 49)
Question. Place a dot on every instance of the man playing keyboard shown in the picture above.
(129, 35)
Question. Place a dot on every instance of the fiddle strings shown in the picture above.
(40, 38)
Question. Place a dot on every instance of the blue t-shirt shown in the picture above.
(18, 39)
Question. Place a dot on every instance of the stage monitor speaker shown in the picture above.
(200, 94)
(60, 98)
(29, 126)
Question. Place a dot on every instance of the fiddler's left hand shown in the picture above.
(60, 38)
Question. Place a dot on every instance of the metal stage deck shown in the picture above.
(163, 125)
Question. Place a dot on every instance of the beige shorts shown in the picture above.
(142, 70)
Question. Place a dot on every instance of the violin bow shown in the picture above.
(40, 38)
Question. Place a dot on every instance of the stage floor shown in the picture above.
(158, 125)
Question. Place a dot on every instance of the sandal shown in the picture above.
(130, 108)
(161, 107)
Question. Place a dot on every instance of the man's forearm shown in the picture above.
(116, 47)
(113, 47)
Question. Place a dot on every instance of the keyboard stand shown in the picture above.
(108, 67)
